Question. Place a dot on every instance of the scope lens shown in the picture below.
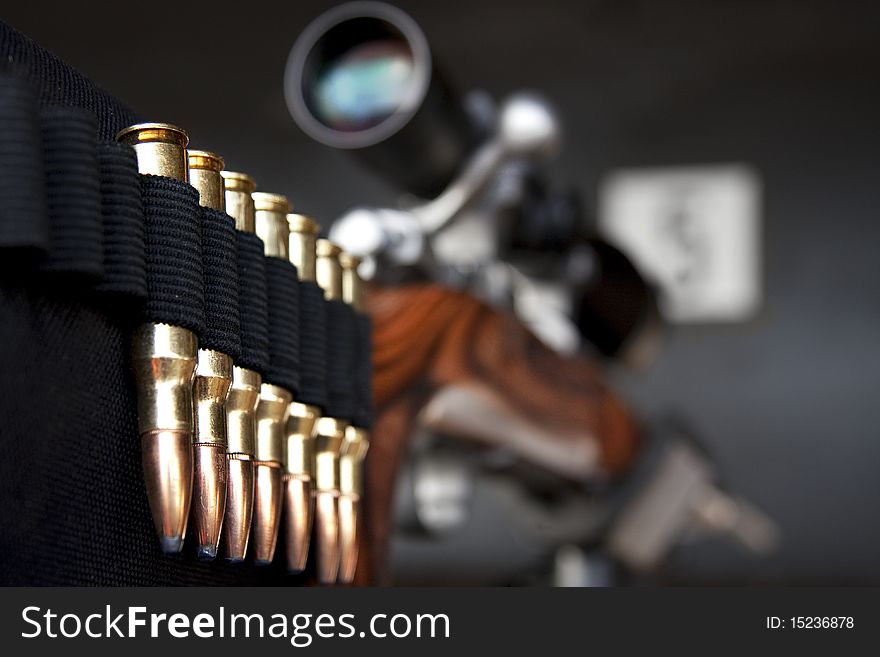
(363, 86)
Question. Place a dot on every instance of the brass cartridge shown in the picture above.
(164, 363)
(329, 438)
(273, 410)
(210, 392)
(241, 405)
(299, 457)
(354, 447)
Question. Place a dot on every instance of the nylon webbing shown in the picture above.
(122, 208)
(24, 212)
(313, 345)
(341, 354)
(220, 260)
(253, 303)
(282, 285)
(57, 83)
(173, 230)
(363, 414)
(76, 232)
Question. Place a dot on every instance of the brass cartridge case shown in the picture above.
(301, 426)
(160, 149)
(354, 448)
(241, 404)
(303, 237)
(237, 190)
(205, 175)
(241, 412)
(328, 269)
(270, 218)
(210, 391)
(272, 413)
(352, 285)
(164, 362)
(270, 221)
(330, 434)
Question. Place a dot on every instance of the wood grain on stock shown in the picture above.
(426, 337)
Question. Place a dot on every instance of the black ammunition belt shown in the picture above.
(88, 249)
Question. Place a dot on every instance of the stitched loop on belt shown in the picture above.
(313, 345)
(363, 414)
(283, 287)
(122, 208)
(24, 213)
(76, 232)
(173, 231)
(253, 303)
(220, 260)
(341, 353)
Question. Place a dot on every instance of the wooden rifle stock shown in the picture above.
(427, 338)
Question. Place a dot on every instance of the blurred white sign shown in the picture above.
(693, 231)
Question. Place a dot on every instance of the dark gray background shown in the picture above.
(789, 402)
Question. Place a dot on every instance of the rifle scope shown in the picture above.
(361, 77)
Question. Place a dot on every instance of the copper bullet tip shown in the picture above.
(168, 468)
(209, 496)
(171, 544)
(327, 536)
(239, 507)
(267, 510)
(298, 520)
